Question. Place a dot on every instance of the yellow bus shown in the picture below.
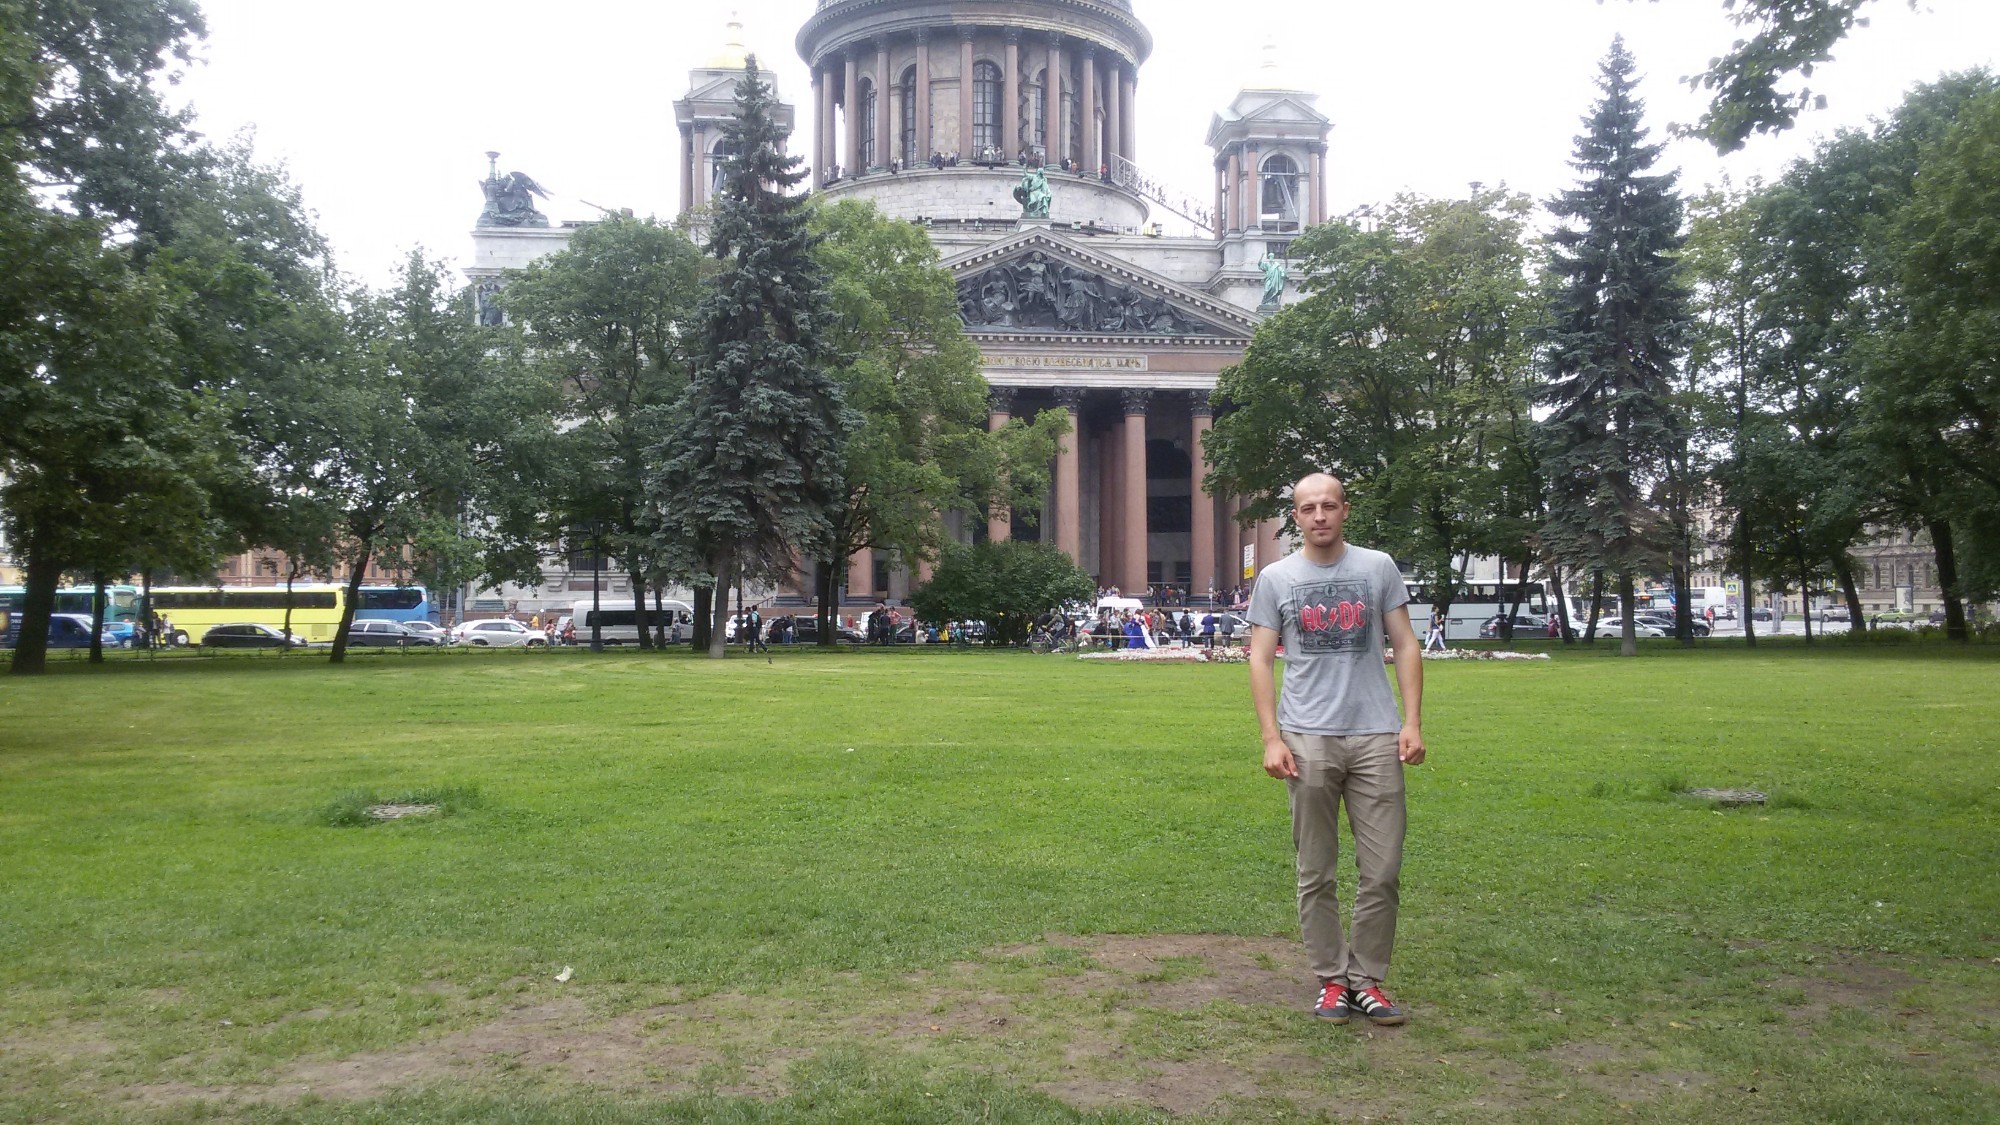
(193, 610)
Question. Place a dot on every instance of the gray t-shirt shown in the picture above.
(1330, 621)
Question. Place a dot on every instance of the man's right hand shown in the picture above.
(1278, 761)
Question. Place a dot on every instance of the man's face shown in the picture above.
(1321, 511)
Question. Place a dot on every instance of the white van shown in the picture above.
(615, 619)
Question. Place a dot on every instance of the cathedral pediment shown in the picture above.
(1040, 283)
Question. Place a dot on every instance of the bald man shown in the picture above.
(1335, 736)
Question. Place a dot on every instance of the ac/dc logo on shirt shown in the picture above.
(1333, 616)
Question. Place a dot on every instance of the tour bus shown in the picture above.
(396, 603)
(618, 624)
(315, 609)
(1476, 603)
(121, 603)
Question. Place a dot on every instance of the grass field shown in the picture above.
(966, 886)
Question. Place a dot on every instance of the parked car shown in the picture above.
(1615, 627)
(1525, 625)
(808, 632)
(426, 629)
(385, 634)
(1665, 624)
(1760, 613)
(249, 635)
(499, 633)
(66, 630)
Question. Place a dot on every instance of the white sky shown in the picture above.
(382, 110)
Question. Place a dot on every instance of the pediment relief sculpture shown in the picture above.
(1036, 292)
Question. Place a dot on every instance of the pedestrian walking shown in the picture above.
(1335, 737)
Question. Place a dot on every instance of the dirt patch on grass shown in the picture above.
(1623, 1077)
(1175, 1023)
(1178, 1023)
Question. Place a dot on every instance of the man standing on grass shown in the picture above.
(1334, 736)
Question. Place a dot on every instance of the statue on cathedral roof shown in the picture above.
(1033, 193)
(1274, 279)
(510, 199)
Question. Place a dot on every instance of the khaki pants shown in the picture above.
(1364, 771)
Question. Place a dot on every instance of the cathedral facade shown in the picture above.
(1007, 129)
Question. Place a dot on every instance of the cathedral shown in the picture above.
(1007, 129)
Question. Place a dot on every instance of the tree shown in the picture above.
(1610, 350)
(1791, 37)
(87, 374)
(1007, 585)
(611, 319)
(1402, 372)
(749, 473)
(403, 429)
(1934, 390)
(920, 446)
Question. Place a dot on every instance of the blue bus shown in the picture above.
(396, 603)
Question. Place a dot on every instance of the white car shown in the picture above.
(1615, 627)
(499, 633)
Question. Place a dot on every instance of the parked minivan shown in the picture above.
(616, 621)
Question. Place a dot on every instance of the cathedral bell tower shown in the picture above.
(1270, 173)
(701, 112)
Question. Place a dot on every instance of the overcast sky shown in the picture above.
(382, 109)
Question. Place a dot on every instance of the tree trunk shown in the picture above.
(1749, 583)
(825, 589)
(1947, 568)
(1563, 625)
(1596, 607)
(1628, 629)
(1805, 595)
(1513, 610)
(146, 609)
(704, 598)
(97, 617)
(31, 640)
(353, 599)
(640, 616)
(1845, 573)
(718, 636)
(1684, 600)
(291, 578)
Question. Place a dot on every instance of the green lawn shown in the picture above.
(971, 886)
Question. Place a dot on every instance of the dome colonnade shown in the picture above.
(902, 81)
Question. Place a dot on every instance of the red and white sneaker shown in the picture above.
(1376, 1005)
(1331, 1003)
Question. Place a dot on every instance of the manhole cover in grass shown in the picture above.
(1728, 796)
(398, 812)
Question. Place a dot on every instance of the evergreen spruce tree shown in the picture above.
(749, 473)
(1618, 319)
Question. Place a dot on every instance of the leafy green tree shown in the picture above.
(611, 319)
(1404, 372)
(1731, 270)
(920, 446)
(1007, 585)
(87, 374)
(1934, 390)
(1610, 351)
(402, 431)
(749, 473)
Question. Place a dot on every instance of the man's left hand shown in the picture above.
(1410, 746)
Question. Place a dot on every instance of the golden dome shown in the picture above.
(734, 55)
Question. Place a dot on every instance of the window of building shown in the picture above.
(985, 107)
(865, 125)
(718, 164)
(906, 100)
(1279, 196)
(1034, 113)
